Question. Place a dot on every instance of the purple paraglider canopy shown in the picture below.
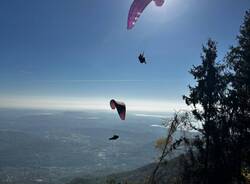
(120, 106)
(137, 8)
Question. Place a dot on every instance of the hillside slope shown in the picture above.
(167, 174)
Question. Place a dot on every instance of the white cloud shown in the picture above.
(158, 126)
(90, 81)
(150, 115)
(89, 104)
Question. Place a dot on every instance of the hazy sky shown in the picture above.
(59, 50)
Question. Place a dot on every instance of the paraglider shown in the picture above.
(114, 137)
(137, 8)
(142, 58)
(121, 109)
(120, 106)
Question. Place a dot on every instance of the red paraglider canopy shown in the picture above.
(120, 106)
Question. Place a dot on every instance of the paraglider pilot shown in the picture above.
(114, 137)
(142, 58)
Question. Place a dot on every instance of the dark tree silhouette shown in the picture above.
(222, 153)
(206, 99)
(238, 60)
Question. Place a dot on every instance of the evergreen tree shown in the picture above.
(238, 61)
(206, 99)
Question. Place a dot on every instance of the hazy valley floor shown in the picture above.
(56, 146)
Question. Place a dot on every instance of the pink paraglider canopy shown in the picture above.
(120, 106)
(137, 8)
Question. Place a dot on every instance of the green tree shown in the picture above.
(238, 60)
(206, 99)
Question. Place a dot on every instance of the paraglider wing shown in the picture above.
(135, 11)
(114, 137)
(137, 8)
(120, 107)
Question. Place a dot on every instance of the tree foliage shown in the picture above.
(238, 103)
(221, 100)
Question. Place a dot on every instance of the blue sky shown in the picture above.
(81, 49)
